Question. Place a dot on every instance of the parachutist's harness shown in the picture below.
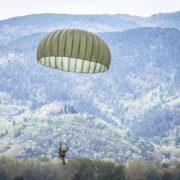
(61, 153)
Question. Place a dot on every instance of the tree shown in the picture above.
(85, 169)
(18, 178)
(96, 170)
(167, 176)
(10, 167)
(135, 170)
(2, 174)
(152, 171)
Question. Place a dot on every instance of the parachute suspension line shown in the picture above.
(60, 143)
(58, 121)
(68, 109)
(58, 126)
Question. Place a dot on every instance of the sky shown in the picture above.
(12, 8)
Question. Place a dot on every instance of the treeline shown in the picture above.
(42, 168)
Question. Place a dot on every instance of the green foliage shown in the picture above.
(10, 167)
(136, 171)
(152, 172)
(43, 159)
(155, 122)
(176, 172)
(84, 168)
(2, 175)
(3, 132)
(4, 147)
(136, 94)
(167, 176)
(88, 135)
(98, 169)
(18, 178)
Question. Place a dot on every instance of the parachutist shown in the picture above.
(62, 153)
(73, 50)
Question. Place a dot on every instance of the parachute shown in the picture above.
(74, 50)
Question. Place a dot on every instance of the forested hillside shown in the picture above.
(129, 112)
(17, 27)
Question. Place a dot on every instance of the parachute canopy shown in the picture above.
(74, 50)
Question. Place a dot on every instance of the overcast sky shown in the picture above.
(12, 8)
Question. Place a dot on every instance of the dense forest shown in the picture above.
(130, 112)
(42, 168)
(134, 105)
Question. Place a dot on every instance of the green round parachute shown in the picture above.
(74, 50)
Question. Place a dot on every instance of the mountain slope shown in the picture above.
(14, 28)
(145, 65)
(136, 101)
